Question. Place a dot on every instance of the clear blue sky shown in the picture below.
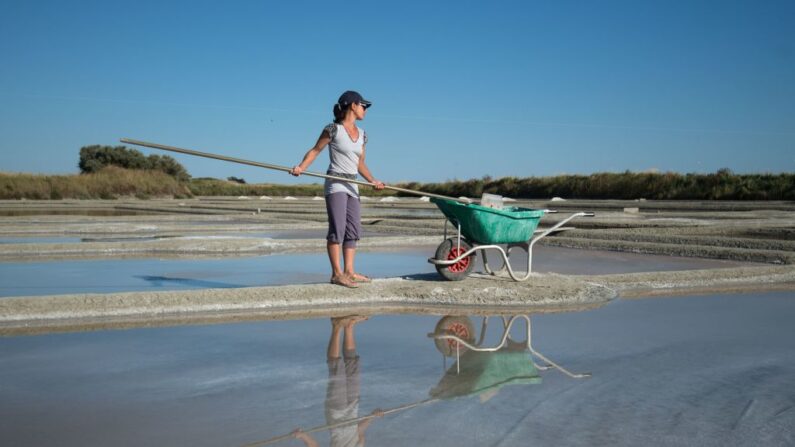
(461, 89)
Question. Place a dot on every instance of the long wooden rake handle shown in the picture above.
(279, 168)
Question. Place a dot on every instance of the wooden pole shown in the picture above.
(280, 168)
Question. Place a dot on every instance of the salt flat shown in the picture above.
(758, 236)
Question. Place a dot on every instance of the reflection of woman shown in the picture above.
(346, 143)
(342, 392)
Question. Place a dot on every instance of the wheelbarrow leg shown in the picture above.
(506, 256)
(488, 268)
(483, 326)
(550, 363)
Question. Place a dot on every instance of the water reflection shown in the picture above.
(345, 426)
(233, 384)
(159, 281)
(342, 392)
(478, 370)
(455, 336)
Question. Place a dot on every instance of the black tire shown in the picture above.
(449, 250)
(461, 327)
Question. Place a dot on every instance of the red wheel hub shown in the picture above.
(460, 331)
(461, 265)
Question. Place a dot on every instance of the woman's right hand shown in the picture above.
(296, 171)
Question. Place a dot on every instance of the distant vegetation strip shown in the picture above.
(113, 182)
(722, 185)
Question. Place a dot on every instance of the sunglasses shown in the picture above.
(366, 106)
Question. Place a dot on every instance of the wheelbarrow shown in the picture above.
(480, 228)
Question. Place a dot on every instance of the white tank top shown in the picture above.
(344, 156)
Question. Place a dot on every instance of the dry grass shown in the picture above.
(109, 183)
(113, 182)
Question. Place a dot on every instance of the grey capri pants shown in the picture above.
(344, 219)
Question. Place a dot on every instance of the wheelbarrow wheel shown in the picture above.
(448, 250)
(461, 327)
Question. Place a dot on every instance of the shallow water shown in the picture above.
(713, 370)
(74, 212)
(118, 275)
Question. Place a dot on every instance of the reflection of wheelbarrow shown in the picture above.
(478, 371)
(483, 373)
(480, 228)
(455, 336)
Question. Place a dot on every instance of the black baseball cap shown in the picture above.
(352, 97)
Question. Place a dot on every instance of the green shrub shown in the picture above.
(95, 158)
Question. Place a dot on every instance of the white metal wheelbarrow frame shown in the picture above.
(505, 253)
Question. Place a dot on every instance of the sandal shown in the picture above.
(358, 277)
(342, 280)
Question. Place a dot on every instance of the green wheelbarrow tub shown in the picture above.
(483, 225)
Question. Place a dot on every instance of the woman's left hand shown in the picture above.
(378, 184)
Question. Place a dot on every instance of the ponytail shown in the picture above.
(339, 112)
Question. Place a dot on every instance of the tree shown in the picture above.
(95, 157)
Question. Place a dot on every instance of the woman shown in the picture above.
(346, 144)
